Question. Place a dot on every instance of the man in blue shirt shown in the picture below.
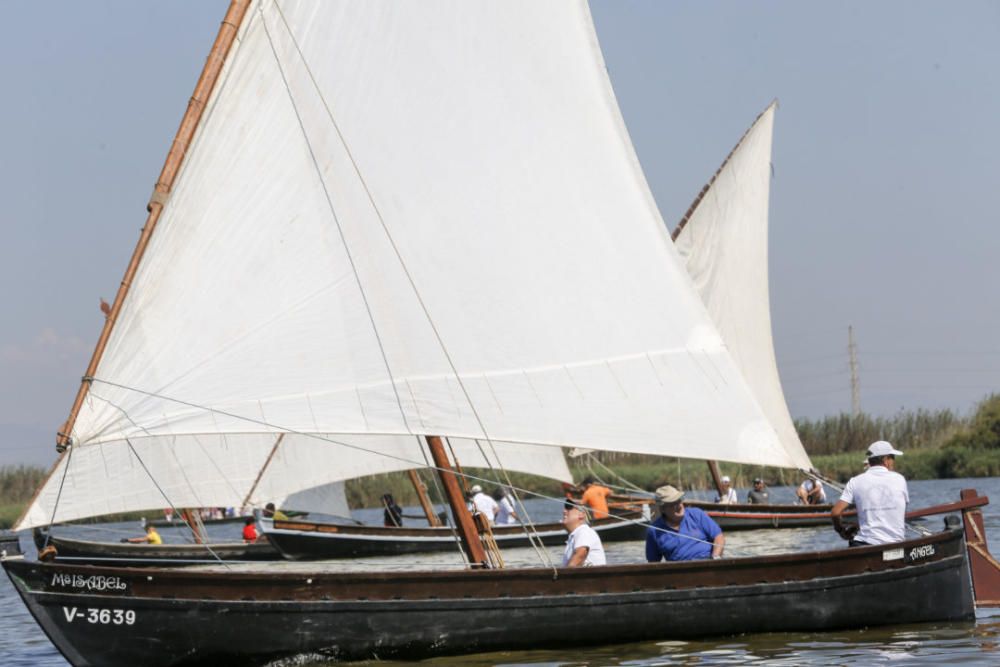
(682, 533)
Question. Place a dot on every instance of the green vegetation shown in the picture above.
(938, 445)
(17, 484)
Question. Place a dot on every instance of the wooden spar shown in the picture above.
(985, 569)
(193, 520)
(246, 501)
(467, 529)
(182, 140)
(425, 502)
(713, 467)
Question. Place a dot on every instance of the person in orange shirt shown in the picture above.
(595, 497)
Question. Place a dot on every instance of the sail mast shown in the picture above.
(425, 502)
(189, 123)
(471, 544)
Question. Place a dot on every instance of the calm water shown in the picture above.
(972, 644)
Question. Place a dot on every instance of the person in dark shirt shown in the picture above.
(758, 494)
(682, 533)
(393, 514)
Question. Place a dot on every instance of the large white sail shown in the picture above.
(411, 218)
(723, 242)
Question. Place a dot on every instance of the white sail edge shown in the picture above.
(724, 243)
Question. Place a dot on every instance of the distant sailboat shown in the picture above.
(389, 221)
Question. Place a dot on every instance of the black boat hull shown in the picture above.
(168, 617)
(87, 551)
(309, 541)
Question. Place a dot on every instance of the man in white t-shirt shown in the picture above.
(880, 496)
(483, 504)
(583, 546)
(727, 496)
(506, 515)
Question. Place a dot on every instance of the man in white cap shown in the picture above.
(727, 496)
(483, 504)
(880, 496)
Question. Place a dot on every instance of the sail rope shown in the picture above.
(378, 214)
(326, 192)
(55, 506)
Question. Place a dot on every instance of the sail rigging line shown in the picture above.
(169, 502)
(55, 506)
(326, 191)
(260, 473)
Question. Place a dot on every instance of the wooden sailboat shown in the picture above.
(417, 219)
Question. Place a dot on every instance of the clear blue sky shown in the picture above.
(884, 205)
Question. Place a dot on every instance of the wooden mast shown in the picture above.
(425, 502)
(713, 467)
(182, 140)
(471, 544)
(161, 191)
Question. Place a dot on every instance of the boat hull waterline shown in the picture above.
(124, 616)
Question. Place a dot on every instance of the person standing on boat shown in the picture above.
(151, 536)
(880, 496)
(682, 533)
(506, 515)
(392, 515)
(583, 546)
(484, 504)
(759, 495)
(595, 497)
(810, 492)
(727, 496)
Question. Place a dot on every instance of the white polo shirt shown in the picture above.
(485, 506)
(585, 536)
(880, 496)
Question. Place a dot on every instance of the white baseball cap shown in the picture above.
(725, 478)
(882, 448)
(476, 489)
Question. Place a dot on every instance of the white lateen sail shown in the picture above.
(723, 242)
(399, 219)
